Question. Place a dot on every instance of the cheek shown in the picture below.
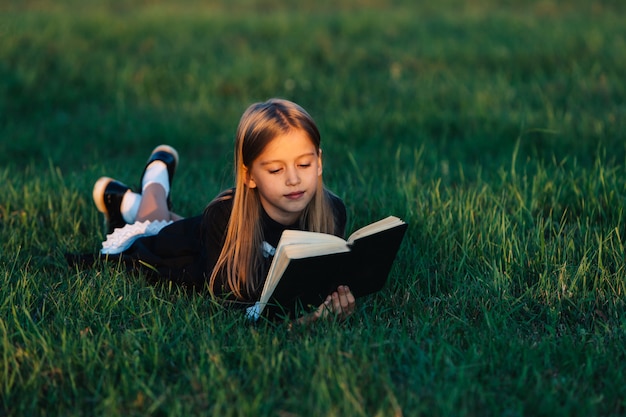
(265, 185)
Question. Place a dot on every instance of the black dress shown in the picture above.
(187, 250)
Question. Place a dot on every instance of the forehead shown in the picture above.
(291, 145)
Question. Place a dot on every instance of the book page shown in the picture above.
(279, 263)
(384, 224)
(298, 251)
(289, 237)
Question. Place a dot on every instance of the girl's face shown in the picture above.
(286, 175)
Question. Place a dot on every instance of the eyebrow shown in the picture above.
(263, 163)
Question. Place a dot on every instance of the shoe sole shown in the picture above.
(98, 194)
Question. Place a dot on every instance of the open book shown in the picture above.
(307, 266)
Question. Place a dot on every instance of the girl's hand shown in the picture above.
(340, 304)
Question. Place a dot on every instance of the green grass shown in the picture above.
(495, 128)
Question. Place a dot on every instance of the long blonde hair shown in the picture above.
(241, 258)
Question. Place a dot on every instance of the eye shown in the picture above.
(274, 171)
(308, 164)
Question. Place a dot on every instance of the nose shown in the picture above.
(292, 176)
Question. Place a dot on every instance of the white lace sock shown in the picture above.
(156, 172)
(130, 206)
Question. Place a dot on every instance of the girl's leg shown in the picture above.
(154, 205)
(120, 205)
(155, 185)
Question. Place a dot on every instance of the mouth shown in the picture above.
(295, 195)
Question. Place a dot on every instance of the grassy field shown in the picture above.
(496, 129)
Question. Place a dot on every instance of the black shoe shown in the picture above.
(108, 194)
(169, 156)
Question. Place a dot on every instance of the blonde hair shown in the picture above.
(241, 258)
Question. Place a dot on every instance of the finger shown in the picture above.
(341, 306)
(347, 301)
(336, 303)
(323, 309)
(345, 297)
(350, 297)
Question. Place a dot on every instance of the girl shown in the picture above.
(228, 249)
